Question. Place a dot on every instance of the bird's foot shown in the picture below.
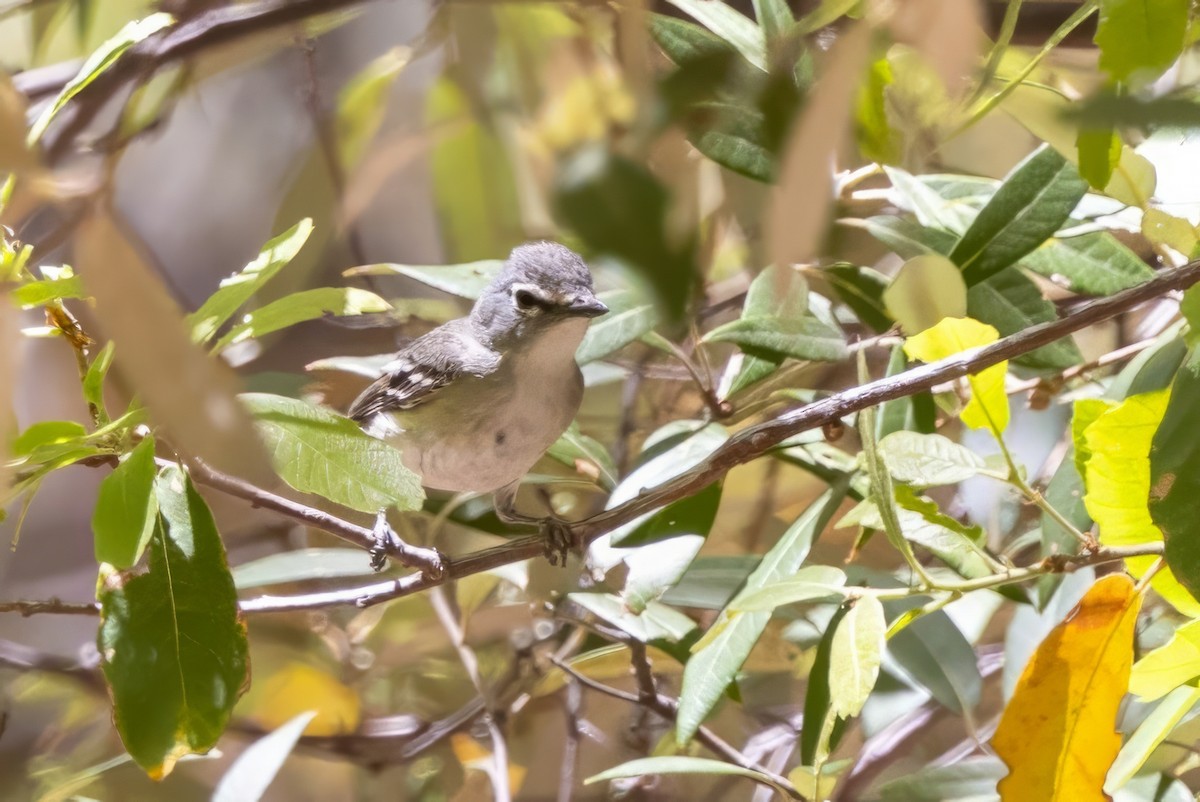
(558, 539)
(387, 543)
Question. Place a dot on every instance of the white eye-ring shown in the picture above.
(527, 300)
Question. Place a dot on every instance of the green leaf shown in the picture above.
(921, 522)
(173, 649)
(677, 764)
(811, 583)
(40, 293)
(1034, 201)
(654, 568)
(690, 515)
(467, 280)
(733, 136)
(46, 433)
(657, 621)
(1012, 303)
(1099, 153)
(318, 451)
(1092, 264)
(971, 778)
(126, 508)
(250, 775)
(1153, 730)
(774, 17)
(1140, 39)
(861, 289)
(238, 288)
(932, 210)
(713, 666)
(1175, 481)
(926, 289)
(300, 307)
(630, 316)
(855, 656)
(301, 565)
(816, 698)
(101, 59)
(1175, 663)
(936, 654)
(573, 446)
(798, 338)
(927, 460)
(93, 380)
(685, 41)
(710, 582)
(777, 292)
(620, 209)
(362, 103)
(730, 25)
(876, 140)
(905, 237)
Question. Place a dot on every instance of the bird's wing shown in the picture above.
(428, 363)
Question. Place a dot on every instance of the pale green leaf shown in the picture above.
(247, 779)
(363, 101)
(926, 289)
(467, 280)
(301, 565)
(630, 316)
(1153, 730)
(1175, 663)
(810, 583)
(1140, 38)
(927, 460)
(855, 658)
(677, 764)
(300, 307)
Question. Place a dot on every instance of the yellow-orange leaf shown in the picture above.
(1058, 734)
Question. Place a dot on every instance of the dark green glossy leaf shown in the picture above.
(715, 665)
(174, 650)
(1140, 39)
(1092, 264)
(240, 287)
(318, 451)
(126, 508)
(1012, 303)
(1175, 479)
(1034, 201)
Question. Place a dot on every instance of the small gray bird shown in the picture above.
(473, 404)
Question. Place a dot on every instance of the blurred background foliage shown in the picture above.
(683, 147)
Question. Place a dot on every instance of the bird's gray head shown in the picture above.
(542, 285)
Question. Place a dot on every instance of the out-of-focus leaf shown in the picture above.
(247, 779)
(710, 582)
(970, 778)
(98, 62)
(1160, 227)
(473, 182)
(826, 13)
(1034, 201)
(930, 207)
(730, 25)
(126, 508)
(1058, 734)
(174, 650)
(777, 292)
(1155, 729)
(935, 653)
(677, 764)
(630, 316)
(855, 657)
(466, 280)
(1139, 40)
(656, 621)
(573, 448)
(93, 380)
(301, 565)
(46, 433)
(240, 287)
(810, 583)
(798, 338)
(300, 307)
(819, 782)
(1175, 663)
(1099, 154)
(1117, 475)
(948, 37)
(926, 289)
(732, 135)
(187, 392)
(619, 209)
(39, 293)
(861, 289)
(685, 41)
(719, 656)
(655, 567)
(988, 406)
(876, 139)
(1126, 111)
(362, 103)
(926, 460)
(905, 237)
(14, 155)
(774, 17)
(318, 451)
(797, 213)
(1093, 264)
(1012, 303)
(1174, 461)
(298, 688)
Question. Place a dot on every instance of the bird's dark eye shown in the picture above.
(526, 300)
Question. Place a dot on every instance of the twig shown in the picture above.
(1112, 357)
(572, 706)
(55, 606)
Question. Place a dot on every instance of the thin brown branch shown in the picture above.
(54, 606)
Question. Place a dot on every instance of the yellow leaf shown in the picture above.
(1117, 480)
(989, 403)
(298, 688)
(1058, 734)
(472, 755)
(1160, 227)
(1166, 668)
